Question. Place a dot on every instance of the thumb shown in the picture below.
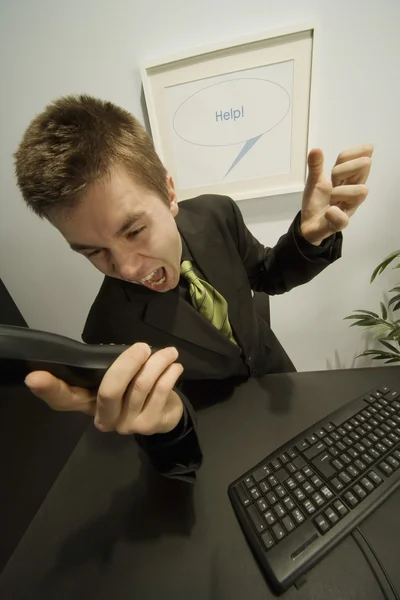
(58, 394)
(315, 166)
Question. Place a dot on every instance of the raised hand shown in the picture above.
(328, 204)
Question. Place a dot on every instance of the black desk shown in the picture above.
(112, 529)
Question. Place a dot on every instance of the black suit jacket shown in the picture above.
(235, 263)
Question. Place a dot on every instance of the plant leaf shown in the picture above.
(382, 266)
(367, 312)
(392, 348)
(394, 299)
(383, 311)
(396, 307)
(393, 360)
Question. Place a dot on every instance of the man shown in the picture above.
(176, 277)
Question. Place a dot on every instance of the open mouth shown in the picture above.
(154, 279)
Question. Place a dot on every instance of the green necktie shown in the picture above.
(208, 301)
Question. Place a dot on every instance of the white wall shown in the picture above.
(51, 47)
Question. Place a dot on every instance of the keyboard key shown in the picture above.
(299, 494)
(384, 389)
(366, 483)
(321, 523)
(264, 487)
(338, 485)
(345, 458)
(388, 443)
(331, 516)
(347, 440)
(314, 450)
(330, 427)
(377, 394)
(272, 480)
(262, 505)
(307, 471)
(326, 492)
(360, 465)
(288, 503)
(351, 499)
(359, 491)
(374, 453)
(249, 482)
(354, 422)
(334, 451)
(352, 471)
(335, 436)
(290, 483)
(380, 448)
(316, 481)
(340, 507)
(312, 439)
(256, 518)
(347, 426)
(271, 498)
(391, 395)
(393, 462)
(340, 446)
(270, 517)
(328, 441)
(268, 540)
(385, 468)
(367, 459)
(280, 490)
(298, 516)
(396, 454)
(299, 477)
(255, 492)
(353, 453)
(318, 499)
(281, 475)
(288, 524)
(374, 477)
(309, 506)
(243, 496)
(291, 453)
(299, 462)
(278, 531)
(301, 446)
(321, 463)
(337, 464)
(291, 468)
(279, 510)
(354, 436)
(276, 464)
(345, 478)
(395, 438)
(284, 458)
(308, 488)
(261, 473)
(320, 432)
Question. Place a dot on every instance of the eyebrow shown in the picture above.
(126, 225)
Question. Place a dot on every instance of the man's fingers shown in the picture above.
(59, 395)
(355, 152)
(352, 171)
(349, 197)
(115, 383)
(143, 384)
(158, 414)
(315, 166)
(337, 219)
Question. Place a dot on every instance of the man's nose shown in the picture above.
(128, 267)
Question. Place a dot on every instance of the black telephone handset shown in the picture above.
(23, 350)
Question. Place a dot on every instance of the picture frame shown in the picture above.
(234, 118)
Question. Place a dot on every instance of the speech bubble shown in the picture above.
(235, 111)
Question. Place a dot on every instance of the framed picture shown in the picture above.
(234, 119)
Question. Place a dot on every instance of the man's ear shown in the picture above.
(173, 200)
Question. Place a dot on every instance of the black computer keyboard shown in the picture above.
(299, 502)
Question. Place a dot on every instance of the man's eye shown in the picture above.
(94, 253)
(135, 232)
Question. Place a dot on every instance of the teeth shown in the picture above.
(148, 277)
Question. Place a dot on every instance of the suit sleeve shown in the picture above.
(292, 262)
(176, 454)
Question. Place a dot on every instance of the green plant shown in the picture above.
(387, 331)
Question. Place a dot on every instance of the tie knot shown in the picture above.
(187, 271)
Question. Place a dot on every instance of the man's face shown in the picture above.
(126, 231)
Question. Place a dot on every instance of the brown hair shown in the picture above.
(77, 141)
